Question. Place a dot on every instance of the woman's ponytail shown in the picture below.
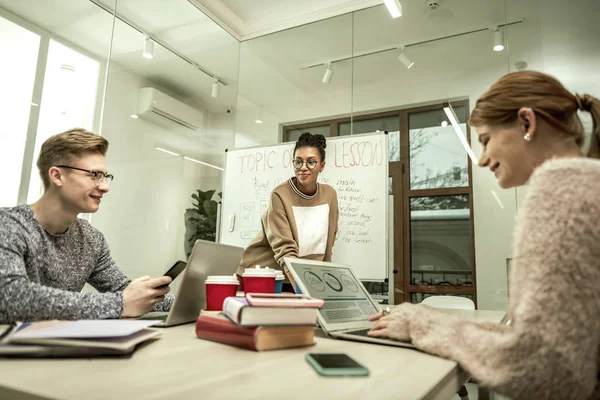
(591, 104)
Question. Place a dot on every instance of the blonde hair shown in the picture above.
(548, 99)
(64, 148)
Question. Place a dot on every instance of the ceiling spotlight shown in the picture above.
(394, 7)
(444, 124)
(133, 116)
(498, 39)
(215, 88)
(259, 119)
(408, 63)
(148, 48)
(328, 73)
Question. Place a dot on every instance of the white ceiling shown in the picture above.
(246, 19)
(267, 72)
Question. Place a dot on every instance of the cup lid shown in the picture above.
(222, 279)
(258, 271)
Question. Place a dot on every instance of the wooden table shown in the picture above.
(181, 366)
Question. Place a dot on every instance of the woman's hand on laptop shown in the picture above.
(395, 325)
(142, 295)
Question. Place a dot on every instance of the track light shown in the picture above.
(461, 136)
(203, 163)
(188, 158)
(328, 73)
(148, 48)
(259, 119)
(167, 151)
(394, 7)
(498, 39)
(497, 199)
(215, 88)
(408, 63)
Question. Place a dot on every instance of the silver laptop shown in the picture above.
(207, 258)
(347, 302)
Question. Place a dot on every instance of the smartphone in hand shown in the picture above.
(336, 364)
(175, 270)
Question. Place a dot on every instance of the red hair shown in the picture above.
(548, 99)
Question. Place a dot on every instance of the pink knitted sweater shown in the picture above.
(550, 350)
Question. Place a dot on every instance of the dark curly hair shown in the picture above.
(309, 140)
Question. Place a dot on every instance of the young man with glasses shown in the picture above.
(302, 218)
(47, 254)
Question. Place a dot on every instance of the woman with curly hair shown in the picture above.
(302, 218)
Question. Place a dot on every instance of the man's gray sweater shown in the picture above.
(42, 274)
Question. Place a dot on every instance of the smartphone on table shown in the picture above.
(175, 270)
(336, 364)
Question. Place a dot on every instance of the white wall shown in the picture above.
(142, 216)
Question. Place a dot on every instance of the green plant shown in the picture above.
(201, 220)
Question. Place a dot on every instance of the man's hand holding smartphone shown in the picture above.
(143, 294)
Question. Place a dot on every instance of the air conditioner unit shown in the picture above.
(164, 109)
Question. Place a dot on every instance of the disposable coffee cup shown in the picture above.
(218, 288)
(279, 278)
(259, 280)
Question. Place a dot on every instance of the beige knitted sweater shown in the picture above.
(294, 225)
(551, 348)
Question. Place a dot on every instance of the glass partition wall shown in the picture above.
(137, 73)
(366, 72)
(105, 64)
(166, 118)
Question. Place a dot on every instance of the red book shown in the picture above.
(220, 329)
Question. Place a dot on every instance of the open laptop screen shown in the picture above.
(346, 299)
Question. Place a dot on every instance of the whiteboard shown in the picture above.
(356, 167)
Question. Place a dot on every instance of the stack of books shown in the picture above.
(269, 325)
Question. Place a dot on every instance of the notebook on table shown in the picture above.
(83, 338)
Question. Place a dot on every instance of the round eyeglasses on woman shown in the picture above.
(310, 164)
(99, 177)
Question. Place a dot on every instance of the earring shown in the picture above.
(527, 137)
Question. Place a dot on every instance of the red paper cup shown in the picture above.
(257, 280)
(217, 289)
